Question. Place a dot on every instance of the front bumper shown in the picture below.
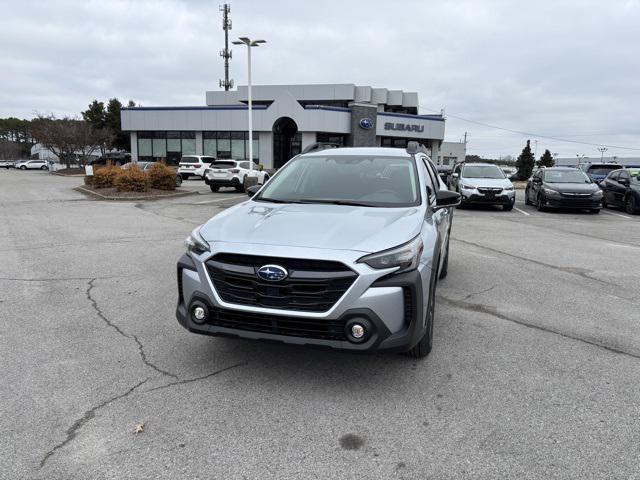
(505, 197)
(391, 307)
(573, 203)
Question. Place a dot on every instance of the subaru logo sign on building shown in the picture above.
(366, 123)
(272, 273)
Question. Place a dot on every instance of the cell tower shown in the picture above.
(226, 53)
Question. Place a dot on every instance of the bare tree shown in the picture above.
(69, 139)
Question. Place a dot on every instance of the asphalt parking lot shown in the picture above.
(534, 372)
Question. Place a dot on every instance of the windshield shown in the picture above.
(602, 169)
(189, 160)
(565, 176)
(349, 180)
(482, 171)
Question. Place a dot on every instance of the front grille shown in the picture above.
(489, 190)
(290, 326)
(311, 286)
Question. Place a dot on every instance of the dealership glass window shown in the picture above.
(224, 144)
(330, 138)
(237, 145)
(144, 146)
(209, 145)
(174, 148)
(188, 143)
(159, 145)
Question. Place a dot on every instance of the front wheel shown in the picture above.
(178, 180)
(424, 346)
(540, 204)
(630, 205)
(44, 167)
(214, 188)
(508, 207)
(240, 186)
(526, 197)
(23, 167)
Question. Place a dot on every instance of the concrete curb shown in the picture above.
(99, 196)
(65, 175)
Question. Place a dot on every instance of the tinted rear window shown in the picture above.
(602, 169)
(223, 164)
(189, 160)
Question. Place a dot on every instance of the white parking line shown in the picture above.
(616, 214)
(522, 211)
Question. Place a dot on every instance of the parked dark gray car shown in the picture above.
(342, 248)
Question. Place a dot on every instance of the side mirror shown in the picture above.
(446, 198)
(252, 190)
(454, 175)
(623, 181)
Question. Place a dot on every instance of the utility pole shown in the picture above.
(226, 53)
(535, 149)
(465, 138)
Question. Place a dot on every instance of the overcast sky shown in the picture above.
(561, 68)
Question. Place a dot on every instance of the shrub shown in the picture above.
(106, 177)
(162, 177)
(132, 180)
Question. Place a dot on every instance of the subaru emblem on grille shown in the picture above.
(272, 273)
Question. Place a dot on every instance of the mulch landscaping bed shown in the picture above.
(113, 194)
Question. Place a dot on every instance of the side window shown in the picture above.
(434, 174)
(244, 165)
(429, 181)
(624, 176)
(614, 176)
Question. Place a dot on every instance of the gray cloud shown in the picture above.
(565, 69)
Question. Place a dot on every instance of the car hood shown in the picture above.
(573, 187)
(336, 227)
(488, 182)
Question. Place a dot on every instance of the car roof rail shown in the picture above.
(414, 147)
(318, 146)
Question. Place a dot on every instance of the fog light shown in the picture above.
(199, 314)
(357, 331)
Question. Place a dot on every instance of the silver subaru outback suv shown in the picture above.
(342, 248)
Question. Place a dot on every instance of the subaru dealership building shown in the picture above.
(286, 118)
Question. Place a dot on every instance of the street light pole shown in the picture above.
(602, 150)
(249, 43)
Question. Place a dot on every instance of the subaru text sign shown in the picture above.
(366, 123)
(404, 127)
(272, 273)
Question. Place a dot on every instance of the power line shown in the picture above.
(531, 134)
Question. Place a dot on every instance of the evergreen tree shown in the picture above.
(525, 162)
(121, 140)
(95, 115)
(546, 160)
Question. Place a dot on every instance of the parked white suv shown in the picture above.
(231, 173)
(194, 165)
(32, 165)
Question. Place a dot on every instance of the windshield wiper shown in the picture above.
(276, 200)
(337, 202)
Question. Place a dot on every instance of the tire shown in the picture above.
(240, 185)
(445, 264)
(43, 167)
(594, 210)
(178, 180)
(526, 197)
(424, 346)
(630, 205)
(509, 207)
(23, 167)
(214, 188)
(604, 202)
(184, 177)
(540, 204)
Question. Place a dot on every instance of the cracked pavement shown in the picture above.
(534, 372)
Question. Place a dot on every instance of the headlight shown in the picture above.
(548, 191)
(508, 188)
(468, 187)
(195, 243)
(597, 194)
(406, 256)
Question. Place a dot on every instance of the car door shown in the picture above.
(621, 187)
(536, 184)
(608, 186)
(441, 218)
